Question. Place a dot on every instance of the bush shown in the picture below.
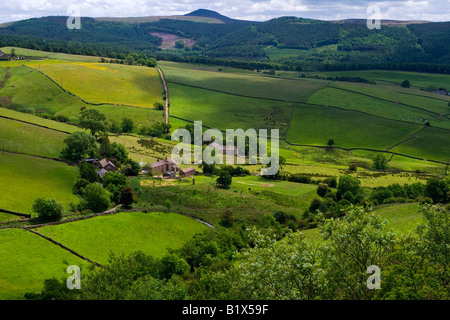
(224, 180)
(127, 197)
(96, 198)
(47, 209)
(131, 168)
(79, 185)
(322, 190)
(379, 162)
(88, 172)
(437, 190)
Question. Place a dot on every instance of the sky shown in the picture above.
(256, 10)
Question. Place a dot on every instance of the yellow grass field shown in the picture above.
(100, 83)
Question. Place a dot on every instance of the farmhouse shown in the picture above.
(225, 149)
(4, 56)
(107, 165)
(189, 172)
(165, 165)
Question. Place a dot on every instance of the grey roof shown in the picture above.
(3, 55)
(191, 169)
(105, 162)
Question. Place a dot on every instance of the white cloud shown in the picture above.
(435, 10)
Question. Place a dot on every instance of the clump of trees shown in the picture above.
(47, 209)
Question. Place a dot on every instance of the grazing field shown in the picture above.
(429, 144)
(314, 125)
(391, 110)
(50, 55)
(125, 232)
(27, 260)
(26, 178)
(417, 79)
(223, 111)
(5, 217)
(102, 83)
(256, 86)
(28, 87)
(38, 120)
(25, 138)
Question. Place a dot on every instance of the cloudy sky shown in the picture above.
(259, 10)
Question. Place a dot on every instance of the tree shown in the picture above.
(224, 180)
(131, 168)
(348, 184)
(406, 84)
(13, 54)
(437, 190)
(118, 152)
(79, 145)
(96, 198)
(88, 172)
(47, 209)
(79, 185)
(94, 120)
(330, 143)
(379, 162)
(322, 189)
(158, 106)
(114, 182)
(179, 44)
(127, 197)
(127, 125)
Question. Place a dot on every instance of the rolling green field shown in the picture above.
(125, 232)
(26, 178)
(417, 79)
(50, 55)
(391, 110)
(25, 138)
(314, 125)
(256, 85)
(223, 111)
(105, 83)
(27, 260)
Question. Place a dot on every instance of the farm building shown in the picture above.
(4, 56)
(107, 165)
(189, 172)
(225, 149)
(101, 173)
(169, 175)
(165, 165)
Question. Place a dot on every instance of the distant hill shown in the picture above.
(214, 15)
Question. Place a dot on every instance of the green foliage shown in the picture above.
(88, 172)
(224, 180)
(330, 142)
(114, 182)
(79, 185)
(96, 198)
(406, 84)
(94, 120)
(131, 168)
(127, 197)
(349, 186)
(322, 189)
(127, 125)
(380, 162)
(437, 190)
(79, 145)
(47, 209)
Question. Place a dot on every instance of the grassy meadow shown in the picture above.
(27, 260)
(26, 178)
(125, 232)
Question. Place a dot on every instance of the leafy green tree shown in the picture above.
(437, 190)
(224, 180)
(96, 198)
(127, 197)
(114, 182)
(330, 142)
(79, 145)
(131, 168)
(88, 172)
(94, 120)
(348, 184)
(179, 44)
(127, 125)
(322, 189)
(79, 186)
(118, 153)
(47, 209)
(13, 54)
(379, 162)
(406, 84)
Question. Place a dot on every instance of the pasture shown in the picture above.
(248, 85)
(103, 83)
(125, 232)
(27, 260)
(26, 178)
(29, 139)
(50, 55)
(314, 125)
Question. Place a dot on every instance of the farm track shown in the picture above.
(166, 89)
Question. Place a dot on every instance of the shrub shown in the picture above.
(127, 197)
(322, 190)
(88, 172)
(79, 185)
(96, 198)
(224, 180)
(379, 162)
(47, 209)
